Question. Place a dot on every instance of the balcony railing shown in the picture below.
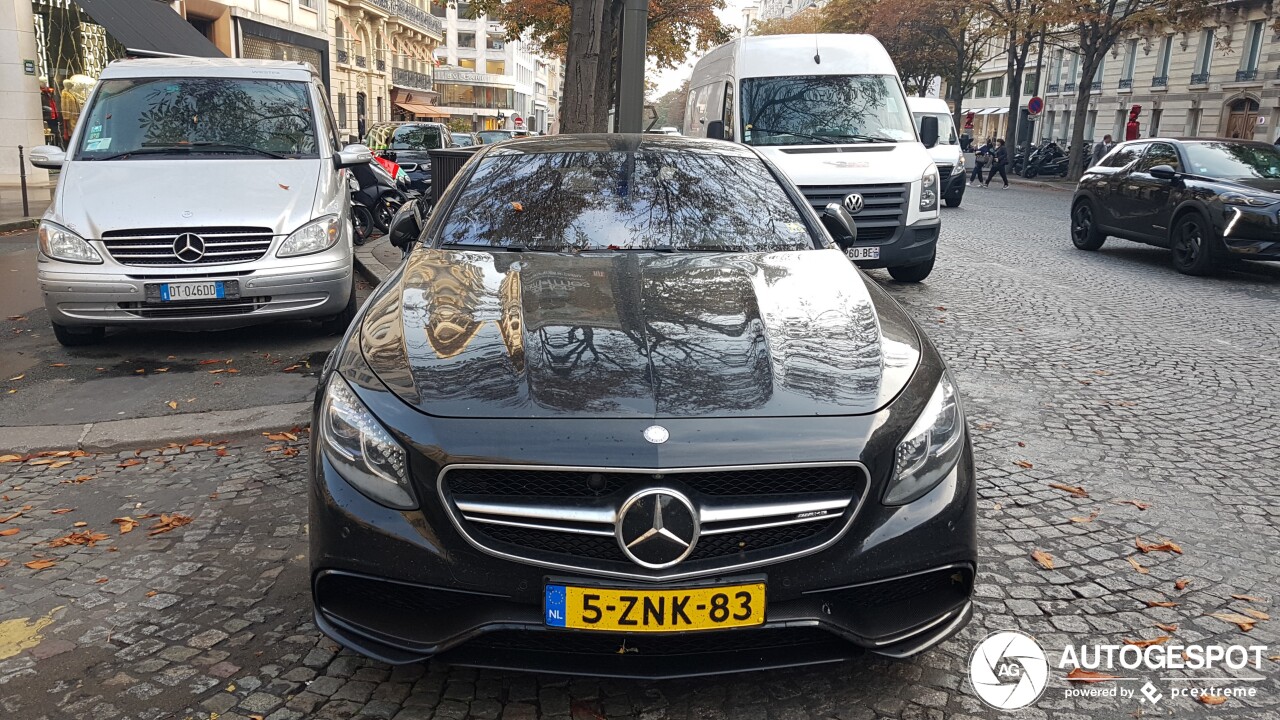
(1126, 84)
(1246, 75)
(1069, 87)
(1053, 88)
(411, 14)
(343, 56)
(361, 61)
(380, 64)
(1200, 78)
(411, 79)
(1096, 86)
(1160, 81)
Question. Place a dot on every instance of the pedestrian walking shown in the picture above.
(1101, 149)
(999, 159)
(981, 157)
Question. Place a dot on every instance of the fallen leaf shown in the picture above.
(169, 522)
(280, 437)
(1021, 444)
(84, 537)
(152, 593)
(1101, 372)
(5, 561)
(1211, 699)
(17, 377)
(518, 207)
(57, 364)
(218, 371)
(100, 580)
(1081, 675)
(1147, 643)
(1167, 628)
(1181, 584)
(172, 405)
(130, 462)
(1257, 614)
(1245, 622)
(60, 463)
(1136, 566)
(1161, 603)
(9, 531)
(126, 524)
(162, 370)
(1044, 558)
(79, 524)
(1085, 518)
(1249, 598)
(61, 511)
(1085, 382)
(283, 186)
(1165, 546)
(291, 368)
(1076, 490)
(11, 517)
(40, 564)
(12, 458)
(82, 478)
(1023, 464)
(221, 452)
(210, 362)
(1136, 503)
(140, 371)
(232, 371)
(17, 318)
(291, 451)
(986, 425)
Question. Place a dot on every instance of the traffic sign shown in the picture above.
(1035, 106)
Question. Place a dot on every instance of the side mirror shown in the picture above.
(839, 223)
(715, 130)
(1163, 172)
(352, 155)
(929, 130)
(49, 157)
(404, 227)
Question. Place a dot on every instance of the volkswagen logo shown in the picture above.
(188, 247)
(656, 434)
(853, 203)
(657, 528)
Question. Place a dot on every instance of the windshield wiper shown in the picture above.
(187, 148)
(149, 150)
(513, 247)
(867, 138)
(819, 138)
(233, 147)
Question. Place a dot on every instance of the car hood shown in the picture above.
(416, 156)
(863, 163)
(99, 196)
(538, 335)
(1265, 184)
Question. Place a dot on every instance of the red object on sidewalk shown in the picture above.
(1133, 129)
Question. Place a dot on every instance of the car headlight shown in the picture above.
(1239, 198)
(931, 448)
(960, 162)
(929, 189)
(60, 243)
(313, 237)
(361, 450)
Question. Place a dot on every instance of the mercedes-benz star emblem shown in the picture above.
(189, 247)
(656, 434)
(657, 528)
(853, 203)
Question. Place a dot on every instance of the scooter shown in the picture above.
(1048, 159)
(378, 192)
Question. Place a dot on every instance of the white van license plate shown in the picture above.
(863, 253)
(174, 292)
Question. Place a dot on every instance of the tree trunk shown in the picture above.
(1089, 66)
(956, 88)
(582, 65)
(1017, 70)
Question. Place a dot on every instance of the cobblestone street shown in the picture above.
(1112, 403)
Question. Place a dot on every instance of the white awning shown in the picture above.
(1001, 111)
(986, 111)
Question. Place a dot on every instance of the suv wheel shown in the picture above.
(1192, 245)
(912, 273)
(69, 336)
(1084, 231)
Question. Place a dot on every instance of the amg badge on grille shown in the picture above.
(656, 434)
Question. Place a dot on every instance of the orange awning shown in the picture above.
(421, 109)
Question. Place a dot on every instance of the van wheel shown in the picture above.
(952, 202)
(339, 323)
(912, 273)
(68, 336)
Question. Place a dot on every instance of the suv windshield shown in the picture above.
(946, 129)
(616, 200)
(406, 137)
(1233, 160)
(815, 109)
(215, 117)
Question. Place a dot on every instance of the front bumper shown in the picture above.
(1250, 233)
(402, 586)
(102, 295)
(955, 185)
(911, 245)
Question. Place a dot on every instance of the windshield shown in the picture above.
(642, 200)
(1236, 161)
(946, 129)
(815, 109)
(493, 136)
(135, 118)
(462, 140)
(417, 137)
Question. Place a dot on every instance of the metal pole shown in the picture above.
(635, 28)
(22, 176)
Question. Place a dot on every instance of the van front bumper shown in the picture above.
(912, 245)
(89, 296)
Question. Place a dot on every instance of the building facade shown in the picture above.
(1221, 79)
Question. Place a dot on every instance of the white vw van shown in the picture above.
(829, 110)
(199, 193)
(946, 152)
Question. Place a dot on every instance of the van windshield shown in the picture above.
(946, 128)
(211, 117)
(813, 109)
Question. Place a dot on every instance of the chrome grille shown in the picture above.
(884, 208)
(944, 173)
(566, 517)
(154, 246)
(196, 308)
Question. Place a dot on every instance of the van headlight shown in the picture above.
(314, 237)
(960, 162)
(60, 243)
(361, 450)
(931, 448)
(929, 189)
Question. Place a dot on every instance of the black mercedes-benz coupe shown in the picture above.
(1209, 200)
(629, 410)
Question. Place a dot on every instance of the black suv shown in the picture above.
(406, 144)
(1209, 200)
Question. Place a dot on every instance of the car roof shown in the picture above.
(402, 123)
(927, 105)
(620, 142)
(1187, 140)
(209, 67)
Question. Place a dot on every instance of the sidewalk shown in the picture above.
(377, 259)
(11, 217)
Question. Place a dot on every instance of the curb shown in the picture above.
(368, 265)
(23, 224)
(152, 431)
(1063, 187)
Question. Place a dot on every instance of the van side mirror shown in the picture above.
(49, 157)
(1163, 172)
(715, 130)
(839, 223)
(405, 227)
(352, 155)
(929, 130)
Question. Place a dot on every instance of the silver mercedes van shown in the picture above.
(199, 193)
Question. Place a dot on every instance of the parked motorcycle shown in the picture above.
(375, 190)
(1048, 159)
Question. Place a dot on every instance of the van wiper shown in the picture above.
(150, 150)
(866, 138)
(233, 147)
(819, 138)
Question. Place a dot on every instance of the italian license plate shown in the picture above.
(678, 610)
(863, 253)
(172, 292)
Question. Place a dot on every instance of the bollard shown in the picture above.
(22, 178)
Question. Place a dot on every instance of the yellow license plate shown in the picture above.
(679, 610)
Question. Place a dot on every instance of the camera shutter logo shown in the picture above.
(1008, 670)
